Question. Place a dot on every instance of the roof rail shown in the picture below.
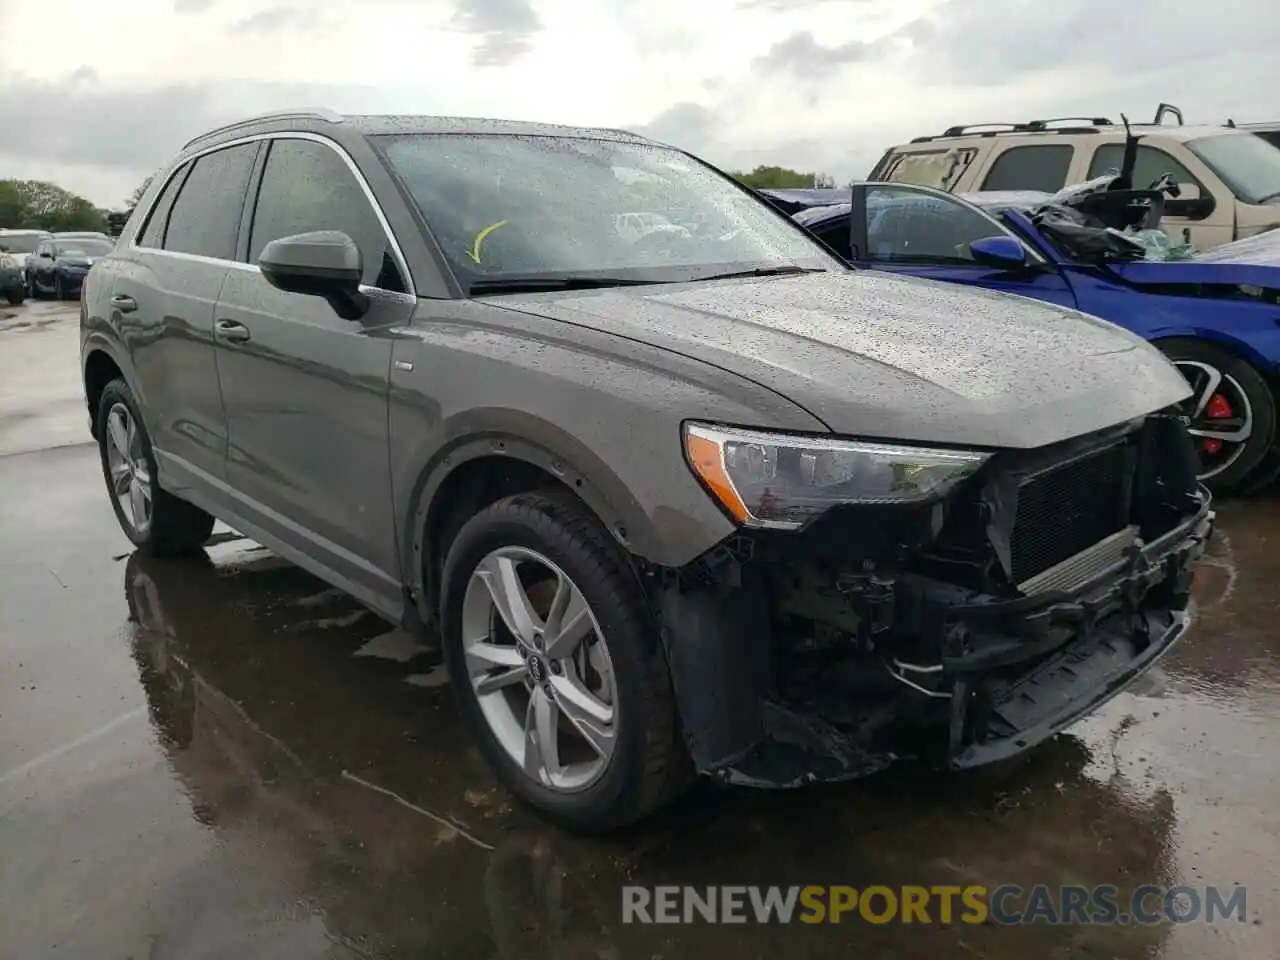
(1167, 108)
(1094, 121)
(304, 113)
(1023, 127)
(961, 129)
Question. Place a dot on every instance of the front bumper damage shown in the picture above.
(893, 660)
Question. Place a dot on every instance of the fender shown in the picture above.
(664, 537)
(1240, 348)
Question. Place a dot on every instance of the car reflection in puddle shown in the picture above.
(351, 782)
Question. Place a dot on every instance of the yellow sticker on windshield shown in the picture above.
(474, 252)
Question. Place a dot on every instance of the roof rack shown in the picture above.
(304, 113)
(959, 131)
(1167, 108)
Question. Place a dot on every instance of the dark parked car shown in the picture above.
(60, 264)
(702, 500)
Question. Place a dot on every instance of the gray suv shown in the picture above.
(701, 499)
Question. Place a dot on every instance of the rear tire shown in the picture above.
(646, 764)
(155, 521)
(1225, 383)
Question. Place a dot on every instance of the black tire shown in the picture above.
(59, 290)
(1239, 469)
(176, 527)
(15, 297)
(649, 765)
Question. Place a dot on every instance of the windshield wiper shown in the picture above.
(781, 271)
(536, 284)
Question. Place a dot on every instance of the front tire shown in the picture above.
(15, 297)
(155, 521)
(1232, 413)
(557, 665)
(59, 288)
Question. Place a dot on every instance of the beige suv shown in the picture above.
(1229, 177)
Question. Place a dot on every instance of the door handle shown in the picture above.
(231, 331)
(124, 304)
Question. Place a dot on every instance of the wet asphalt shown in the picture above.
(225, 758)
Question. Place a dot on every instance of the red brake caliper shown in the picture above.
(1216, 409)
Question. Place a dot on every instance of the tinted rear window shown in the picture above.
(1040, 167)
(153, 233)
(206, 216)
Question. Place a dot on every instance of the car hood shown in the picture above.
(876, 355)
(1254, 260)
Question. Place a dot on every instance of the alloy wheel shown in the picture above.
(127, 467)
(1220, 416)
(540, 668)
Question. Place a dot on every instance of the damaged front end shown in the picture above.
(967, 628)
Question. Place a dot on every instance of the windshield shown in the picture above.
(555, 207)
(80, 249)
(1246, 163)
(20, 243)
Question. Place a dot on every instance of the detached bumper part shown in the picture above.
(1010, 673)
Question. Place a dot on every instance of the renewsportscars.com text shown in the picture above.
(1007, 905)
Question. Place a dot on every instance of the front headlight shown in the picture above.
(782, 482)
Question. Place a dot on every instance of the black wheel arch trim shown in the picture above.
(95, 340)
(598, 487)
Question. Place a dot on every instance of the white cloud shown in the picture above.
(814, 84)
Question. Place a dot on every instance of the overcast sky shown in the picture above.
(96, 95)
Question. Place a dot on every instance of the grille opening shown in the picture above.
(1069, 508)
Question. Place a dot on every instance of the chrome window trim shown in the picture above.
(396, 251)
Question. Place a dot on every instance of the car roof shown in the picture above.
(319, 118)
(25, 233)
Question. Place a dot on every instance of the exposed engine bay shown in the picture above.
(969, 628)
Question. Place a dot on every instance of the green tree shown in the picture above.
(38, 205)
(782, 178)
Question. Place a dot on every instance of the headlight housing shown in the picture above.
(782, 482)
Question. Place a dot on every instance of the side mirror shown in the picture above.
(325, 263)
(1003, 253)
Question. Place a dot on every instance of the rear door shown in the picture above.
(306, 391)
(163, 292)
(926, 233)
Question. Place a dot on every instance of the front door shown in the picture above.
(306, 391)
(926, 233)
(1200, 214)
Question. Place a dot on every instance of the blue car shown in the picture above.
(1216, 315)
